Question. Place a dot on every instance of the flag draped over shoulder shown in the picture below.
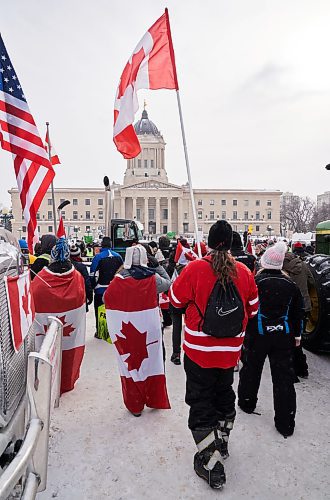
(135, 330)
(184, 255)
(21, 308)
(20, 136)
(151, 66)
(63, 296)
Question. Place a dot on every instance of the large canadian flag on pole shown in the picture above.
(134, 326)
(21, 309)
(151, 66)
(63, 296)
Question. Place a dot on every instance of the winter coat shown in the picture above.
(82, 269)
(299, 272)
(280, 305)
(194, 286)
(246, 258)
(39, 263)
(103, 268)
(163, 280)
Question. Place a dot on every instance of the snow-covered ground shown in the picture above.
(98, 450)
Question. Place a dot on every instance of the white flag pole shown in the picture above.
(189, 175)
(52, 184)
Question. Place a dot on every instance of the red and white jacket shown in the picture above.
(194, 285)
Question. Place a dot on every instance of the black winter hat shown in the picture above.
(237, 241)
(106, 242)
(220, 235)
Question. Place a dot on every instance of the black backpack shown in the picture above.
(224, 313)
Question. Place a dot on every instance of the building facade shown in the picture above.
(147, 195)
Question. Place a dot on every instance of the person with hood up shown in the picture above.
(134, 324)
(75, 257)
(240, 255)
(274, 332)
(47, 243)
(219, 295)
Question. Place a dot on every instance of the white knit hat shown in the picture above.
(135, 256)
(274, 256)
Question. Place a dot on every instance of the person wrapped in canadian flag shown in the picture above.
(134, 326)
(59, 290)
(219, 295)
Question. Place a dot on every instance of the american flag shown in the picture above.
(20, 136)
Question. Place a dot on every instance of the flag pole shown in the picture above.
(52, 184)
(189, 174)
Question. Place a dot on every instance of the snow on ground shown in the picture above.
(98, 450)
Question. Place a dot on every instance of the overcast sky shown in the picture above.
(254, 78)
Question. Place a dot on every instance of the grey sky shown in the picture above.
(254, 79)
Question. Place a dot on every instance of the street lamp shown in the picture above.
(327, 167)
(269, 229)
(108, 214)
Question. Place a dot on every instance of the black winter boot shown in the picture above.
(226, 425)
(207, 463)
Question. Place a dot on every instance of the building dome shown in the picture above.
(145, 126)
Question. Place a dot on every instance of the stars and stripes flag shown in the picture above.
(20, 136)
(151, 66)
(53, 156)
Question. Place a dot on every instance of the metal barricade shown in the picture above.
(43, 390)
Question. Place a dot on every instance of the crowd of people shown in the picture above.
(235, 308)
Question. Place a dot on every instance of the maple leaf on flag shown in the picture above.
(67, 329)
(135, 344)
(25, 301)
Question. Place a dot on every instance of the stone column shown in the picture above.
(169, 211)
(180, 216)
(146, 215)
(122, 208)
(134, 208)
(157, 216)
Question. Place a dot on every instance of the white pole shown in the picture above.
(52, 184)
(189, 175)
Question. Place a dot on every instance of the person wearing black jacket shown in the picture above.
(75, 257)
(274, 332)
(47, 241)
(240, 255)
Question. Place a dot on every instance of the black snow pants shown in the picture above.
(279, 349)
(209, 394)
(177, 328)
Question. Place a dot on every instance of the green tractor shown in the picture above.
(317, 334)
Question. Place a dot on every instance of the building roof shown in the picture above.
(145, 126)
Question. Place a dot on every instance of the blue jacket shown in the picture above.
(103, 268)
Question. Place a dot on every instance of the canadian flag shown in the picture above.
(54, 159)
(20, 304)
(63, 296)
(60, 230)
(151, 66)
(135, 330)
(184, 255)
(249, 246)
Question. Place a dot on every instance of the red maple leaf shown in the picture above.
(135, 344)
(67, 329)
(25, 301)
(130, 71)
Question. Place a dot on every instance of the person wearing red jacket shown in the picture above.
(209, 360)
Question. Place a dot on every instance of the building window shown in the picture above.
(257, 203)
(246, 203)
(165, 213)
(185, 227)
(38, 216)
(88, 215)
(151, 213)
(139, 163)
(269, 203)
(62, 200)
(50, 215)
(63, 215)
(235, 215)
(152, 163)
(246, 215)
(116, 215)
(164, 229)
(223, 215)
(24, 229)
(145, 163)
(246, 228)
(74, 201)
(257, 215)
(138, 213)
(50, 229)
(211, 202)
(75, 215)
(235, 203)
(257, 229)
(211, 215)
(185, 215)
(269, 215)
(223, 203)
(88, 229)
(200, 203)
(100, 214)
(199, 214)
(200, 228)
(50, 201)
(100, 201)
(87, 201)
(38, 229)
